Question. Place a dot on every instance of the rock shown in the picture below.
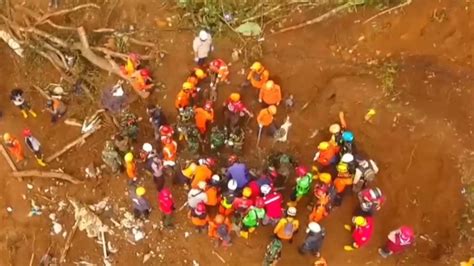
(9, 209)
(57, 228)
(29, 186)
(186, 234)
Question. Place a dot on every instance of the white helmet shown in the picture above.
(202, 185)
(147, 147)
(232, 185)
(265, 189)
(216, 178)
(203, 35)
(291, 211)
(347, 158)
(314, 227)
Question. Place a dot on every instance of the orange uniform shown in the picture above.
(183, 99)
(203, 173)
(16, 149)
(219, 67)
(212, 230)
(169, 151)
(212, 196)
(319, 211)
(342, 181)
(258, 79)
(140, 82)
(202, 117)
(264, 118)
(327, 156)
(199, 221)
(131, 169)
(270, 96)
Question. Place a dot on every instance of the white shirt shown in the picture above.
(202, 48)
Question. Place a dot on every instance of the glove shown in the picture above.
(259, 100)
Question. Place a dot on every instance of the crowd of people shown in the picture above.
(223, 194)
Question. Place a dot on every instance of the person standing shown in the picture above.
(288, 226)
(57, 109)
(130, 167)
(234, 110)
(314, 239)
(157, 173)
(204, 116)
(35, 146)
(166, 203)
(14, 147)
(273, 202)
(398, 241)
(111, 157)
(141, 206)
(202, 46)
(258, 76)
(362, 231)
(270, 94)
(265, 119)
(16, 97)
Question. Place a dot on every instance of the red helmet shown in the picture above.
(201, 207)
(166, 130)
(145, 73)
(301, 170)
(211, 162)
(232, 159)
(407, 232)
(259, 203)
(26, 132)
(208, 105)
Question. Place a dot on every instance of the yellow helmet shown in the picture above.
(7, 137)
(128, 157)
(325, 178)
(247, 192)
(187, 86)
(235, 97)
(200, 73)
(269, 84)
(140, 191)
(359, 221)
(272, 109)
(342, 168)
(256, 66)
(323, 145)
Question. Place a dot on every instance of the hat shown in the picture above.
(314, 227)
(140, 191)
(203, 35)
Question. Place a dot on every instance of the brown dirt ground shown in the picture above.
(327, 64)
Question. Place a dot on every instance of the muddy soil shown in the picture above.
(418, 136)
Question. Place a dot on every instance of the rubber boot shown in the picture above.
(25, 115)
(347, 227)
(251, 230)
(32, 113)
(40, 161)
(348, 248)
(244, 234)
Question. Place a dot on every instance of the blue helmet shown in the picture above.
(347, 136)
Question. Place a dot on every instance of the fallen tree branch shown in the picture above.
(42, 92)
(65, 11)
(42, 174)
(142, 43)
(67, 245)
(8, 159)
(325, 16)
(68, 147)
(117, 54)
(388, 11)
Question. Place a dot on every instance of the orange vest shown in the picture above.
(271, 96)
(264, 118)
(131, 170)
(198, 221)
(183, 99)
(16, 149)
(169, 151)
(342, 181)
(202, 117)
(212, 197)
(203, 173)
(258, 80)
(325, 157)
(212, 230)
(318, 213)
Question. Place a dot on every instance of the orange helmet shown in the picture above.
(235, 97)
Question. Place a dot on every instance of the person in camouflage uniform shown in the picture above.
(129, 125)
(236, 139)
(111, 157)
(185, 120)
(217, 138)
(273, 253)
(283, 164)
(193, 139)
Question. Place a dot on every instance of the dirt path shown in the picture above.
(332, 65)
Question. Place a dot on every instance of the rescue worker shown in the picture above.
(398, 240)
(287, 226)
(197, 75)
(343, 179)
(204, 116)
(217, 138)
(219, 71)
(236, 139)
(371, 200)
(187, 173)
(146, 152)
(129, 125)
(314, 239)
(319, 210)
(157, 172)
(303, 185)
(202, 46)
(273, 202)
(141, 80)
(270, 94)
(347, 143)
(166, 203)
(349, 159)
(166, 132)
(365, 173)
(325, 156)
(170, 148)
(234, 110)
(237, 171)
(242, 204)
(57, 109)
(219, 229)
(203, 172)
(258, 75)
(14, 147)
(141, 206)
(111, 157)
(130, 167)
(156, 119)
(265, 119)
(133, 63)
(213, 191)
(34, 145)
(121, 144)
(16, 97)
(362, 229)
(184, 97)
(252, 218)
(273, 253)
(336, 135)
(228, 197)
(199, 217)
(197, 195)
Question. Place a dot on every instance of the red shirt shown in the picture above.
(362, 234)
(235, 107)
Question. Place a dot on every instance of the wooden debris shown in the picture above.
(42, 92)
(77, 141)
(68, 243)
(219, 256)
(408, 2)
(8, 159)
(43, 174)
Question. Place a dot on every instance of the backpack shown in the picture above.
(368, 173)
(289, 228)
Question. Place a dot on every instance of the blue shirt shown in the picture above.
(239, 173)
